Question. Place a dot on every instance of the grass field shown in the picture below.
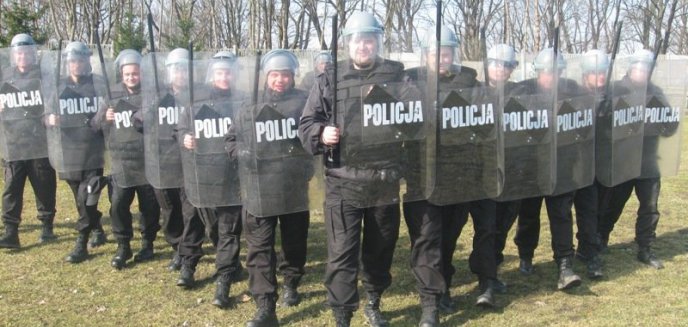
(37, 288)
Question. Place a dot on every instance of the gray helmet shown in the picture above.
(544, 60)
(504, 53)
(177, 56)
(362, 22)
(322, 56)
(223, 59)
(643, 56)
(279, 59)
(128, 57)
(21, 40)
(77, 50)
(595, 61)
(447, 39)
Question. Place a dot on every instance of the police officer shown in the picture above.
(594, 68)
(558, 206)
(24, 72)
(173, 202)
(86, 154)
(501, 64)
(321, 60)
(646, 188)
(226, 220)
(125, 145)
(288, 174)
(362, 191)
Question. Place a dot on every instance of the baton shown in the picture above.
(102, 67)
(331, 160)
(256, 74)
(152, 51)
(191, 77)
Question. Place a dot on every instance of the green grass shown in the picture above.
(37, 288)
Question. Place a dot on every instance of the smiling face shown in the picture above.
(363, 49)
(222, 78)
(280, 80)
(131, 76)
(499, 71)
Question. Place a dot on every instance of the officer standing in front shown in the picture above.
(125, 146)
(25, 154)
(275, 172)
(361, 194)
(80, 149)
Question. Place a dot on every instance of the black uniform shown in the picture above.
(208, 174)
(308, 80)
(275, 175)
(558, 206)
(82, 148)
(647, 186)
(24, 128)
(126, 147)
(359, 199)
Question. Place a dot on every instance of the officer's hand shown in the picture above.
(110, 114)
(52, 120)
(330, 135)
(189, 141)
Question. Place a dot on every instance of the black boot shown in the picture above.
(446, 304)
(186, 274)
(525, 266)
(487, 290)
(122, 255)
(98, 237)
(11, 238)
(47, 234)
(290, 296)
(80, 251)
(266, 315)
(567, 278)
(594, 267)
(146, 252)
(342, 317)
(646, 256)
(372, 312)
(430, 317)
(222, 287)
(175, 263)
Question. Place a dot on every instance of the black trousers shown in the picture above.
(586, 203)
(507, 212)
(344, 223)
(120, 212)
(171, 210)
(89, 216)
(43, 181)
(261, 258)
(560, 222)
(647, 192)
(482, 260)
(425, 231)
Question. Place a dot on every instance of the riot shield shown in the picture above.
(122, 139)
(275, 171)
(22, 132)
(575, 121)
(467, 160)
(162, 105)
(211, 179)
(529, 146)
(74, 143)
(666, 101)
(619, 129)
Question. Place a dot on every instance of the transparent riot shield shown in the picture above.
(619, 129)
(575, 122)
(211, 179)
(529, 146)
(467, 160)
(164, 88)
(22, 132)
(123, 134)
(666, 101)
(71, 103)
(275, 171)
